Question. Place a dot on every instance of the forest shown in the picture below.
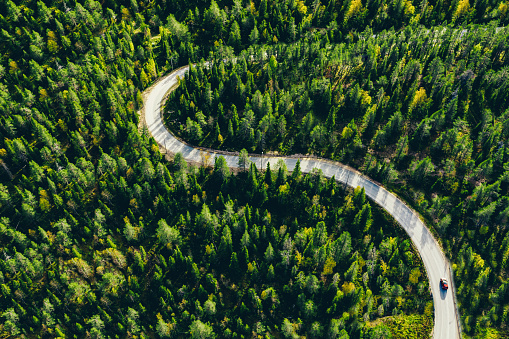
(424, 112)
(101, 236)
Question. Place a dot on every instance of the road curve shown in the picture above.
(437, 266)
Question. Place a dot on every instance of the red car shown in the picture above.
(444, 284)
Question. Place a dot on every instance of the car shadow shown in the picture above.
(443, 293)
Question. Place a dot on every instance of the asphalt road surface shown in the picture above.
(436, 264)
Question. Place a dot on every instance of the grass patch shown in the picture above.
(489, 333)
(413, 326)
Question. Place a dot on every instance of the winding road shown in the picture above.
(435, 262)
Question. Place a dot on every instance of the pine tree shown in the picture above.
(296, 174)
(235, 39)
(254, 35)
(167, 236)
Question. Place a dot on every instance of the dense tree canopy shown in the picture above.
(429, 117)
(102, 237)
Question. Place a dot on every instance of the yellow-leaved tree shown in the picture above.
(419, 101)
(353, 8)
(461, 9)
